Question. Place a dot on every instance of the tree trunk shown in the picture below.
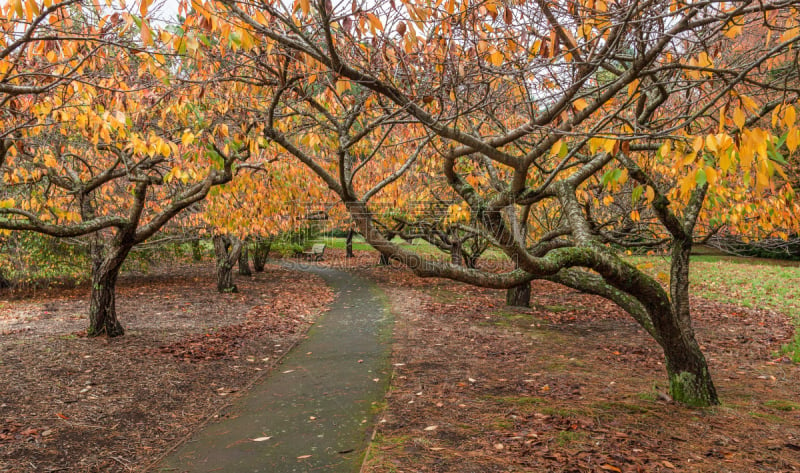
(455, 252)
(689, 379)
(4, 282)
(519, 296)
(244, 262)
(102, 305)
(197, 250)
(227, 252)
(349, 243)
(260, 254)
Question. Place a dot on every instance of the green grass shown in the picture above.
(782, 405)
(749, 282)
(418, 245)
(567, 437)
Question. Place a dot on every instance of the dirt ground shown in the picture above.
(574, 385)
(570, 385)
(68, 403)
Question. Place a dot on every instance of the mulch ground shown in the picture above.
(570, 385)
(68, 403)
(574, 385)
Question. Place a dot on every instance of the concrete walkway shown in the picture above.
(316, 406)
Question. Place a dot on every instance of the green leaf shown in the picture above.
(636, 194)
(700, 178)
(563, 150)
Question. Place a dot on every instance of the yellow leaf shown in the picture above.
(789, 35)
(580, 104)
(650, 194)
(342, 86)
(143, 6)
(147, 37)
(187, 138)
(738, 118)
(711, 143)
(632, 87)
(305, 6)
(496, 58)
(792, 139)
(733, 30)
(749, 103)
(711, 176)
(724, 162)
(789, 116)
(623, 177)
(697, 144)
(375, 22)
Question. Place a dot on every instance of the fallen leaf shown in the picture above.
(431, 427)
(668, 464)
(303, 456)
(608, 467)
(261, 439)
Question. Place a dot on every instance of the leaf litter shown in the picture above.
(186, 352)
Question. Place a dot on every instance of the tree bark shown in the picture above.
(689, 379)
(227, 252)
(455, 252)
(244, 261)
(519, 296)
(384, 261)
(4, 282)
(260, 254)
(349, 244)
(102, 306)
(197, 250)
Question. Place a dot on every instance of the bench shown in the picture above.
(315, 253)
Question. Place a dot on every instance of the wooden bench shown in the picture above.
(315, 253)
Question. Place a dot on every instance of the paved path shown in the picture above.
(315, 407)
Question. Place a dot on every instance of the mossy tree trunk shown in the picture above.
(197, 250)
(689, 379)
(519, 296)
(244, 261)
(261, 253)
(102, 303)
(227, 251)
(349, 244)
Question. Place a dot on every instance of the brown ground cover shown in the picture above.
(570, 385)
(574, 385)
(68, 403)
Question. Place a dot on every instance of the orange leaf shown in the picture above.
(608, 467)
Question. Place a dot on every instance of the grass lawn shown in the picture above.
(749, 282)
(419, 245)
